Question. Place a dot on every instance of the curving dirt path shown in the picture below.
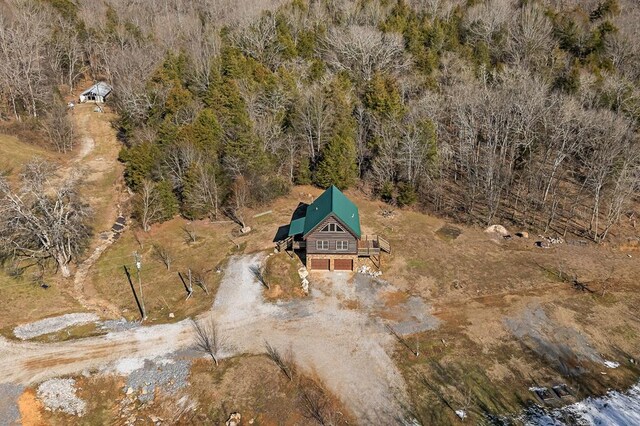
(348, 349)
(97, 161)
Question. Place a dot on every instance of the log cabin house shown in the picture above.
(327, 234)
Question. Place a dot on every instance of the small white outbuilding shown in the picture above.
(97, 93)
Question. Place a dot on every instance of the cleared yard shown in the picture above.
(163, 292)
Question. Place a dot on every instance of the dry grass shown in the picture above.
(281, 274)
(14, 153)
(24, 301)
(163, 291)
(250, 385)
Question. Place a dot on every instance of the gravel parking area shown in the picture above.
(52, 325)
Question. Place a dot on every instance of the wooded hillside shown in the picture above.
(518, 111)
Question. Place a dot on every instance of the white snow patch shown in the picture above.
(612, 364)
(615, 408)
(52, 325)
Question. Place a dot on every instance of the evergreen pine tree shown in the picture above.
(338, 162)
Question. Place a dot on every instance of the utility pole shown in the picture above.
(138, 261)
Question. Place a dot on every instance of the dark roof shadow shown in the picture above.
(283, 231)
(281, 234)
(300, 211)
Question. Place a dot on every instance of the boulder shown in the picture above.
(497, 229)
(522, 234)
(234, 419)
(303, 273)
(245, 230)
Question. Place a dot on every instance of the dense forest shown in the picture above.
(522, 112)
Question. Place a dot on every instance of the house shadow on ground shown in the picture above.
(283, 231)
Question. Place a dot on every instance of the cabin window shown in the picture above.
(332, 227)
(322, 245)
(342, 245)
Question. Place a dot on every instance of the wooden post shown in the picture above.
(186, 287)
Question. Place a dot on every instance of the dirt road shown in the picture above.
(97, 161)
(347, 349)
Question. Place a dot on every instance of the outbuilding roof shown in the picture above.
(331, 202)
(98, 89)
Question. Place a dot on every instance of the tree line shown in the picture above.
(497, 110)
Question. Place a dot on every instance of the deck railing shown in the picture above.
(372, 245)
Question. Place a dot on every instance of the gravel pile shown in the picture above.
(167, 374)
(60, 395)
(118, 325)
(52, 325)
(9, 394)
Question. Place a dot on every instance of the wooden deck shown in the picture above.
(372, 245)
(368, 245)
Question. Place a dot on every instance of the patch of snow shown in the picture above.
(60, 395)
(614, 408)
(612, 364)
(52, 325)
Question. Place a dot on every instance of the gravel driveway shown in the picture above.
(347, 348)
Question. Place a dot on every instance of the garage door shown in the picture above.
(343, 264)
(320, 264)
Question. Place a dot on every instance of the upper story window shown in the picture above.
(342, 245)
(322, 245)
(332, 227)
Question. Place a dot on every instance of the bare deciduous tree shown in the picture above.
(364, 50)
(43, 221)
(190, 234)
(209, 339)
(149, 205)
(284, 363)
(59, 128)
(316, 402)
(163, 255)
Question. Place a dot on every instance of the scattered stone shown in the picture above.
(303, 273)
(365, 270)
(522, 234)
(52, 325)
(129, 391)
(462, 414)
(118, 325)
(387, 212)
(541, 244)
(60, 395)
(165, 373)
(497, 229)
(305, 285)
(234, 419)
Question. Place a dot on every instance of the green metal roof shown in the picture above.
(296, 226)
(332, 201)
